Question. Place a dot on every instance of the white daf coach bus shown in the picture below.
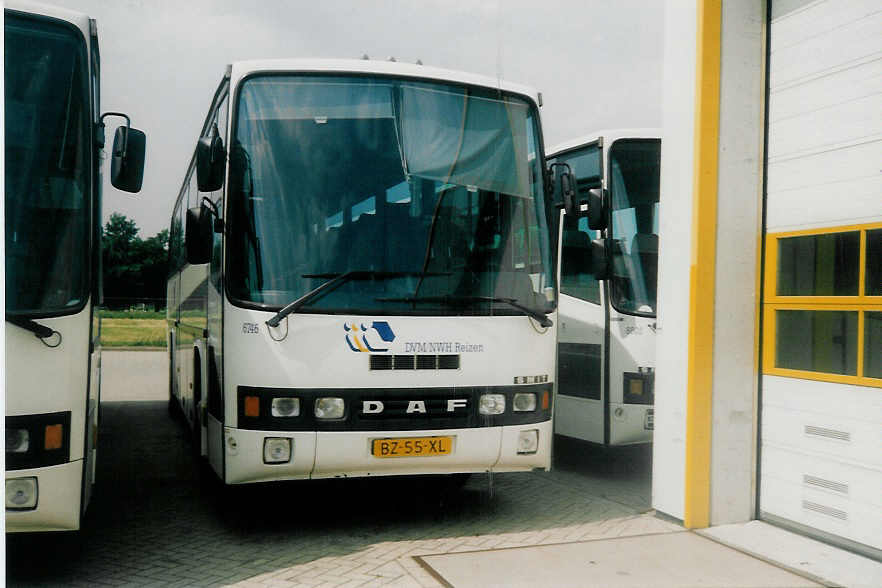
(608, 259)
(53, 135)
(361, 280)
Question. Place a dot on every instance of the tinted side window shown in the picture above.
(576, 278)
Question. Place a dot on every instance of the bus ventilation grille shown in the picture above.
(414, 362)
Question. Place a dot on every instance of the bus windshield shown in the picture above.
(634, 189)
(428, 195)
(47, 167)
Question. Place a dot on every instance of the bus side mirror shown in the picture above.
(210, 159)
(599, 260)
(597, 213)
(198, 235)
(127, 165)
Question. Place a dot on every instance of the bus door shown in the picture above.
(582, 342)
(633, 184)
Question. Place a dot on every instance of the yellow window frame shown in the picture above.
(773, 302)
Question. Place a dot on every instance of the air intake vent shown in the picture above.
(448, 362)
(828, 433)
(410, 362)
(403, 362)
(826, 484)
(381, 362)
(825, 510)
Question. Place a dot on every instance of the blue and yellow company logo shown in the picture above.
(358, 336)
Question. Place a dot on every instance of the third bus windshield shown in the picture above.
(634, 190)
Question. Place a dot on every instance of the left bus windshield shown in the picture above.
(433, 190)
(47, 167)
(634, 189)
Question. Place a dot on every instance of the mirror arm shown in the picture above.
(101, 128)
(218, 224)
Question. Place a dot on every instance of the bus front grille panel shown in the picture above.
(392, 409)
(412, 362)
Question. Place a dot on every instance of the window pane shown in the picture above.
(634, 189)
(817, 341)
(48, 167)
(874, 263)
(576, 278)
(819, 265)
(873, 344)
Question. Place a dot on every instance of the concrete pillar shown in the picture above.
(704, 460)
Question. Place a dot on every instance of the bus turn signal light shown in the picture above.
(53, 437)
(252, 406)
(545, 400)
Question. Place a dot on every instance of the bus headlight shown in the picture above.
(276, 450)
(329, 408)
(21, 493)
(286, 407)
(528, 442)
(524, 402)
(17, 440)
(492, 404)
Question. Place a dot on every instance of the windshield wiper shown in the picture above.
(42, 332)
(458, 300)
(335, 280)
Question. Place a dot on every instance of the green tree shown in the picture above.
(133, 268)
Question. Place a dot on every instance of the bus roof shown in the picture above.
(240, 69)
(80, 20)
(609, 135)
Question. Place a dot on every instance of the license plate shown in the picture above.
(649, 420)
(412, 447)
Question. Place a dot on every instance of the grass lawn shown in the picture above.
(133, 332)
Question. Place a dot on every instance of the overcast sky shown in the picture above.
(598, 63)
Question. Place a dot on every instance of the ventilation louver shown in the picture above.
(414, 362)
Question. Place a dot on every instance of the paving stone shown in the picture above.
(158, 516)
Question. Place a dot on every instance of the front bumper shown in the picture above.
(335, 454)
(59, 490)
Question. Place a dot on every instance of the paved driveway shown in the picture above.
(158, 519)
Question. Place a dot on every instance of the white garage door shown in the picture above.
(821, 435)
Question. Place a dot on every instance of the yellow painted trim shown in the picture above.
(829, 307)
(824, 377)
(826, 230)
(860, 346)
(703, 266)
(862, 270)
(824, 301)
(770, 331)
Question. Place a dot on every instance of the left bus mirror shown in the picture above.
(597, 202)
(198, 235)
(127, 166)
(210, 159)
(599, 260)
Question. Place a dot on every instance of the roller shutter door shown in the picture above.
(821, 403)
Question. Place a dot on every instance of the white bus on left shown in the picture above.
(53, 135)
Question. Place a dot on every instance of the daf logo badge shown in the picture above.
(413, 406)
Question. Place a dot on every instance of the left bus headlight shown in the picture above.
(329, 408)
(17, 440)
(285, 407)
(21, 493)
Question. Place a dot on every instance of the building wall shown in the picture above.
(725, 466)
(678, 119)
